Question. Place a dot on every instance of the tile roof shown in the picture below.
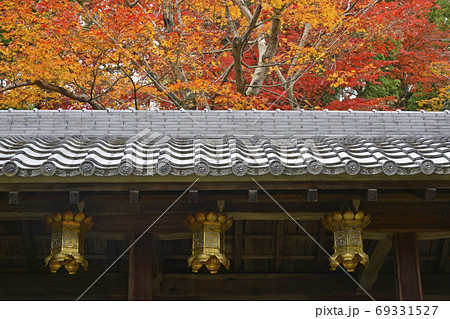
(105, 143)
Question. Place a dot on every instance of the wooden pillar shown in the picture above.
(409, 285)
(140, 269)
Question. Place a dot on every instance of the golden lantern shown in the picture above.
(208, 240)
(67, 241)
(348, 243)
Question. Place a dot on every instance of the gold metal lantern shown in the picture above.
(208, 240)
(67, 245)
(348, 244)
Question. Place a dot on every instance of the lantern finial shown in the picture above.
(348, 244)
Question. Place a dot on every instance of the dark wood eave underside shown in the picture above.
(143, 183)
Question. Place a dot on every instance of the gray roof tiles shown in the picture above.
(104, 143)
(216, 123)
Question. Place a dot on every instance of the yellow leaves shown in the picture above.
(437, 103)
(277, 4)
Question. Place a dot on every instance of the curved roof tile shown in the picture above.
(105, 143)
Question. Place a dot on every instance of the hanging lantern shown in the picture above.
(208, 240)
(67, 241)
(348, 243)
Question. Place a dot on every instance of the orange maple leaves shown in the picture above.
(172, 54)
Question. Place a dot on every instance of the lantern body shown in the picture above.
(208, 240)
(67, 244)
(348, 242)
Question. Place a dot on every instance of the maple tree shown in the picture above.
(218, 54)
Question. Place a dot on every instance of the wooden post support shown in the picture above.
(74, 197)
(409, 286)
(140, 269)
(13, 198)
(253, 195)
(193, 196)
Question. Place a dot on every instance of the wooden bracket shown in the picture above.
(13, 198)
(311, 195)
(253, 195)
(372, 195)
(135, 196)
(193, 196)
(428, 194)
(74, 197)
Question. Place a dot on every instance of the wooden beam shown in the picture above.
(156, 204)
(13, 197)
(113, 286)
(279, 245)
(140, 269)
(370, 274)
(74, 197)
(311, 195)
(135, 196)
(382, 221)
(238, 230)
(177, 183)
(61, 286)
(193, 196)
(444, 255)
(409, 286)
(252, 195)
(297, 286)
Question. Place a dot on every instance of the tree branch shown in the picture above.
(131, 4)
(238, 45)
(267, 52)
(85, 98)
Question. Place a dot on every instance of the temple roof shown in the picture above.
(145, 143)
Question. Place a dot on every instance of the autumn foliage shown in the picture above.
(218, 54)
